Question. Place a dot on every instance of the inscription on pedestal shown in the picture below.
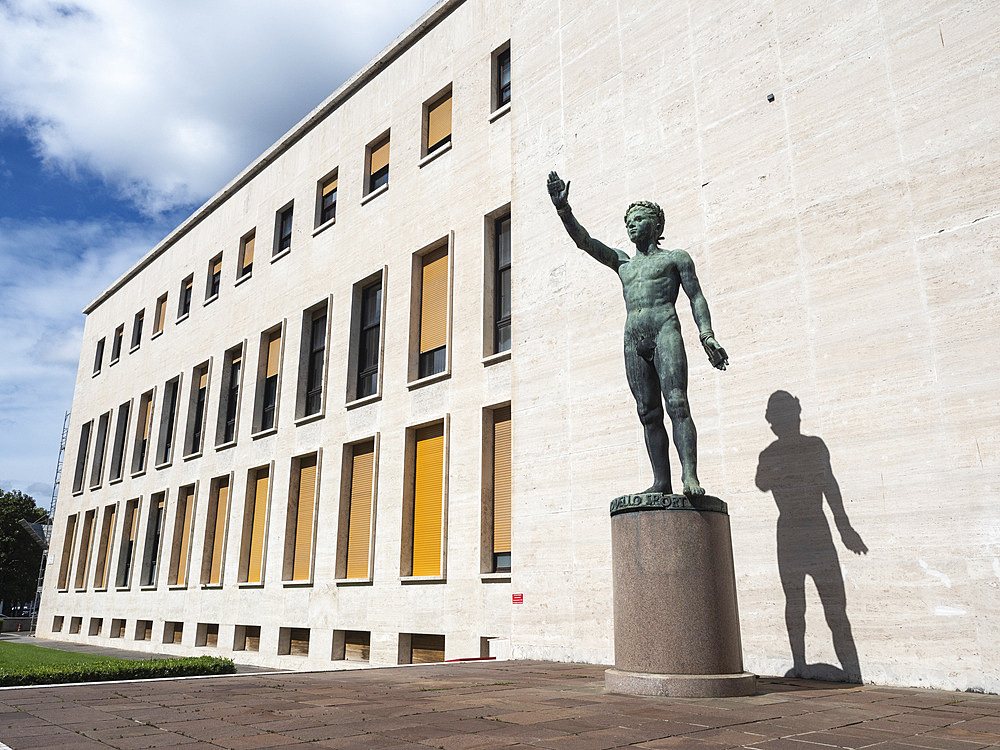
(661, 501)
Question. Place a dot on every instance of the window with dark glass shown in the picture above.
(160, 315)
(214, 277)
(82, 454)
(116, 343)
(99, 356)
(378, 164)
(368, 339)
(137, 328)
(229, 404)
(196, 410)
(501, 285)
(118, 447)
(100, 447)
(315, 361)
(168, 419)
(268, 385)
(184, 304)
(246, 254)
(502, 81)
(283, 233)
(151, 550)
(327, 200)
(142, 430)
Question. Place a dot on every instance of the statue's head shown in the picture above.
(654, 212)
(783, 413)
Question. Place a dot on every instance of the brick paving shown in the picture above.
(484, 705)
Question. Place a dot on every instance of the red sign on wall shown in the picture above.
(517, 598)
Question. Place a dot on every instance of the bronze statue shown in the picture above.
(655, 361)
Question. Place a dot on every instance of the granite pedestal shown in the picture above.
(677, 627)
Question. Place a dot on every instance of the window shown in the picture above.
(161, 314)
(246, 638)
(215, 532)
(366, 338)
(501, 285)
(104, 547)
(433, 322)
(501, 76)
(151, 548)
(214, 278)
(74, 625)
(293, 641)
(420, 648)
(357, 512)
(246, 255)
(229, 403)
(83, 556)
(184, 298)
(67, 552)
(82, 454)
(254, 526)
(173, 632)
(351, 645)
(266, 410)
(137, 329)
(496, 510)
(426, 504)
(96, 625)
(299, 521)
(99, 356)
(142, 429)
(312, 365)
(283, 230)
(127, 549)
(100, 447)
(207, 634)
(143, 630)
(117, 628)
(326, 199)
(196, 410)
(168, 422)
(116, 343)
(437, 122)
(180, 546)
(377, 159)
(118, 447)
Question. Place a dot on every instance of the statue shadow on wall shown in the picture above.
(796, 470)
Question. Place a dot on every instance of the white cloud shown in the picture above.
(168, 99)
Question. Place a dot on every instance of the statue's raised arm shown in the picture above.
(559, 193)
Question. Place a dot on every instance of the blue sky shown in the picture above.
(117, 120)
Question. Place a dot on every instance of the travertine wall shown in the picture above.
(846, 237)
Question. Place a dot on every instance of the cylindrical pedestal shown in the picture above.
(677, 628)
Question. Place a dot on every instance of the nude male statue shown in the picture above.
(655, 361)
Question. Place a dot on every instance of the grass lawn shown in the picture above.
(18, 656)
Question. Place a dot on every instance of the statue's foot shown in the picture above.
(693, 487)
(660, 487)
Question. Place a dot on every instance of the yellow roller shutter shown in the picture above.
(217, 266)
(439, 122)
(427, 501)
(161, 312)
(182, 555)
(146, 420)
(219, 534)
(258, 521)
(273, 353)
(359, 526)
(434, 301)
(380, 157)
(330, 186)
(501, 480)
(304, 519)
(248, 245)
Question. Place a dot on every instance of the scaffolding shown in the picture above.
(47, 524)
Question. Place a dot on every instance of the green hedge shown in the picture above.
(117, 669)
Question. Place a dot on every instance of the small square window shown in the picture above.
(377, 166)
(326, 199)
(283, 230)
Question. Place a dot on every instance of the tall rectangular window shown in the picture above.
(500, 490)
(104, 546)
(196, 410)
(501, 76)
(428, 501)
(267, 380)
(154, 531)
(180, 546)
(438, 122)
(215, 532)
(214, 282)
(99, 356)
(118, 447)
(246, 254)
(137, 329)
(142, 429)
(161, 315)
(100, 447)
(326, 202)
(366, 338)
(254, 526)
(312, 365)
(357, 514)
(83, 556)
(229, 402)
(168, 422)
(66, 559)
(283, 230)
(377, 173)
(299, 522)
(82, 454)
(184, 298)
(127, 550)
(433, 313)
(501, 284)
(116, 343)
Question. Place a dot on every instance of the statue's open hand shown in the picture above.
(852, 540)
(716, 354)
(558, 190)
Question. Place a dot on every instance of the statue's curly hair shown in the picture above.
(653, 209)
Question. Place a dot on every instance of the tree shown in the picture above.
(20, 554)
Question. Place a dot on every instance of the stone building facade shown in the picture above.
(323, 352)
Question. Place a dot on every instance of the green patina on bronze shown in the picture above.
(655, 361)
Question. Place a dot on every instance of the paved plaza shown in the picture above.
(464, 706)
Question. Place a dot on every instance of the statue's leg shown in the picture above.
(646, 390)
(671, 365)
(830, 586)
